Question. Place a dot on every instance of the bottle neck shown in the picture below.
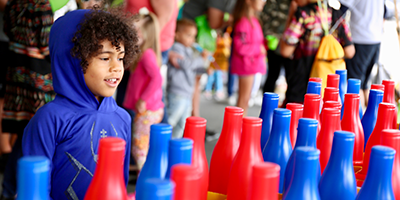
(384, 119)
(268, 106)
(158, 146)
(373, 102)
(110, 162)
(342, 153)
(280, 127)
(379, 172)
(305, 176)
(311, 109)
(250, 139)
(388, 95)
(197, 133)
(351, 108)
(330, 122)
(306, 135)
(231, 129)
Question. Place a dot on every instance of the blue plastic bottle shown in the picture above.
(157, 189)
(378, 183)
(314, 88)
(278, 148)
(33, 178)
(342, 83)
(304, 185)
(353, 87)
(338, 180)
(157, 158)
(306, 136)
(180, 152)
(270, 102)
(371, 113)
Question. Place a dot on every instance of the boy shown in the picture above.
(180, 85)
(87, 66)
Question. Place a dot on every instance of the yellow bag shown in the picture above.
(329, 58)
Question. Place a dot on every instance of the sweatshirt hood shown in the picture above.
(68, 79)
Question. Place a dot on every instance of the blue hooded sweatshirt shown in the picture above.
(68, 129)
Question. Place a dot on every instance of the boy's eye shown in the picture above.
(105, 59)
(120, 59)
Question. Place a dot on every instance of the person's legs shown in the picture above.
(164, 58)
(210, 82)
(196, 97)
(10, 172)
(245, 86)
(141, 134)
(176, 108)
(359, 66)
(219, 84)
(375, 49)
(181, 124)
(274, 68)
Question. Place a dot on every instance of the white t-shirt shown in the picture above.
(366, 22)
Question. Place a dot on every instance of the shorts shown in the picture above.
(360, 66)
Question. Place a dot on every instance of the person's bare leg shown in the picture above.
(5, 138)
(196, 97)
(244, 92)
(365, 94)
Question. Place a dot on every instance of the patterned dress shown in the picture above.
(29, 86)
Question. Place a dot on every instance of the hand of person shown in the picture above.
(263, 51)
(210, 71)
(205, 54)
(140, 106)
(173, 58)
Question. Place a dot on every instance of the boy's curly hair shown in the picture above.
(99, 25)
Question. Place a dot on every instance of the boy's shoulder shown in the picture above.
(124, 115)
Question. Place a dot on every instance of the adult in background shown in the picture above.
(366, 25)
(29, 82)
(275, 18)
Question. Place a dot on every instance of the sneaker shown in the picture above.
(219, 96)
(251, 102)
(232, 100)
(207, 95)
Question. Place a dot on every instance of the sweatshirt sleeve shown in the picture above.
(152, 69)
(242, 41)
(39, 138)
(127, 154)
(188, 62)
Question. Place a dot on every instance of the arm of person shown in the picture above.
(291, 37)
(185, 62)
(242, 44)
(215, 17)
(127, 152)
(153, 71)
(346, 40)
(39, 138)
(163, 9)
(2, 5)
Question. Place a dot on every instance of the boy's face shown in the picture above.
(186, 36)
(105, 70)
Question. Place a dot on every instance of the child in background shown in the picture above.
(144, 91)
(89, 50)
(181, 81)
(220, 65)
(248, 52)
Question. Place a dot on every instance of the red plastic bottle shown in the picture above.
(195, 129)
(311, 108)
(248, 154)
(315, 79)
(377, 87)
(329, 124)
(388, 97)
(351, 122)
(108, 180)
(330, 104)
(331, 94)
(264, 182)
(384, 121)
(391, 138)
(297, 113)
(225, 150)
(333, 81)
(187, 182)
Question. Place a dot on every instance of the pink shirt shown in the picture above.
(248, 38)
(167, 34)
(145, 83)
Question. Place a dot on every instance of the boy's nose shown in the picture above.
(116, 67)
